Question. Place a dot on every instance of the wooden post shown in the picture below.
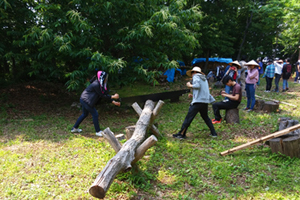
(123, 159)
(129, 131)
(153, 128)
(112, 140)
(149, 142)
(268, 137)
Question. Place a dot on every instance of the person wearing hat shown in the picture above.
(201, 99)
(269, 74)
(251, 80)
(278, 71)
(232, 72)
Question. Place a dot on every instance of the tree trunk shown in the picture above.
(248, 22)
(270, 106)
(123, 159)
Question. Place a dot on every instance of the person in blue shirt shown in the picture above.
(269, 75)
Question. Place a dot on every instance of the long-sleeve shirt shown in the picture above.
(278, 68)
(270, 71)
(253, 73)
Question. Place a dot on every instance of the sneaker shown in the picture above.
(76, 130)
(216, 121)
(213, 135)
(100, 133)
(246, 108)
(179, 136)
(250, 110)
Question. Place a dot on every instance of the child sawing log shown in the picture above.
(262, 139)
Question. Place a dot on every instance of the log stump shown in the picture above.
(232, 116)
(289, 146)
(259, 104)
(270, 106)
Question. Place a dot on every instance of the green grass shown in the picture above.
(41, 159)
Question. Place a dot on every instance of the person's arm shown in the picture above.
(230, 96)
(196, 83)
(254, 75)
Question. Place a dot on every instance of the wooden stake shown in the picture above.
(112, 140)
(268, 137)
(138, 110)
(149, 142)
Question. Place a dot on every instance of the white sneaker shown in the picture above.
(76, 130)
(100, 133)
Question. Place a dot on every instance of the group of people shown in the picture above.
(278, 69)
(201, 96)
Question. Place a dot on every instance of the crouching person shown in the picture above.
(201, 99)
(234, 99)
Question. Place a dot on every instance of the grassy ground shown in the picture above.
(41, 159)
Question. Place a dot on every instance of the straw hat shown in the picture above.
(236, 63)
(195, 69)
(252, 62)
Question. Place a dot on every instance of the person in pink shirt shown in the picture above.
(251, 80)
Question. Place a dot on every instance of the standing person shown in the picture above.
(233, 73)
(201, 99)
(278, 71)
(234, 99)
(269, 74)
(90, 96)
(286, 74)
(251, 80)
(260, 69)
(297, 71)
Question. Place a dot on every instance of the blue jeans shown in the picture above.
(285, 84)
(86, 109)
(277, 79)
(227, 90)
(297, 75)
(250, 89)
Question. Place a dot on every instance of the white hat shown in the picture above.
(195, 69)
(252, 62)
(236, 63)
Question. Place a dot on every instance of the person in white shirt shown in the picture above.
(278, 71)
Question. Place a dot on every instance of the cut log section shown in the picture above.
(232, 116)
(262, 139)
(270, 106)
(289, 146)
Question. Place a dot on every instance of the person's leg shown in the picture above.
(271, 80)
(252, 95)
(284, 84)
(267, 83)
(287, 84)
(216, 108)
(188, 119)
(203, 109)
(277, 78)
(296, 78)
(84, 114)
(94, 114)
(248, 95)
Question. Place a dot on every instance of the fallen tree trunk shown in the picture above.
(276, 101)
(268, 137)
(123, 159)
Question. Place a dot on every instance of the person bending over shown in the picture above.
(234, 99)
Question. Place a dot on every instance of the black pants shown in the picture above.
(269, 83)
(202, 108)
(223, 106)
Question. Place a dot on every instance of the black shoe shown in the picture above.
(179, 136)
(213, 135)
